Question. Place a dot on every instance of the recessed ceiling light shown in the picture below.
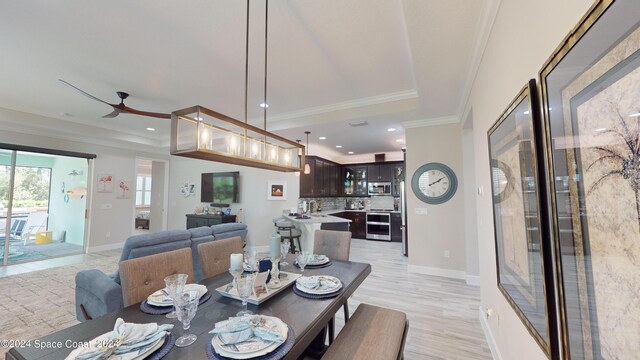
(600, 129)
(151, 129)
(350, 152)
(634, 115)
(264, 105)
(339, 146)
(400, 140)
(322, 138)
(526, 112)
(391, 129)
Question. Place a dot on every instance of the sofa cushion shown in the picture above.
(201, 231)
(223, 228)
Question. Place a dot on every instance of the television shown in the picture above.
(220, 188)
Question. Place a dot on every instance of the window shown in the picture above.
(143, 191)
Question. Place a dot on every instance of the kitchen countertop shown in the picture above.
(320, 217)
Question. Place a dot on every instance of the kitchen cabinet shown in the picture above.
(355, 181)
(397, 172)
(358, 224)
(379, 172)
(196, 220)
(396, 227)
(323, 179)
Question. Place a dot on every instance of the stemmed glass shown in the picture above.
(302, 258)
(244, 284)
(252, 260)
(284, 249)
(186, 307)
(174, 285)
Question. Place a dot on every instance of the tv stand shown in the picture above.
(195, 220)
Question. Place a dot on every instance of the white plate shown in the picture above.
(319, 260)
(321, 291)
(217, 345)
(127, 356)
(160, 299)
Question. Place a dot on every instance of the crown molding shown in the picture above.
(483, 31)
(347, 105)
(431, 122)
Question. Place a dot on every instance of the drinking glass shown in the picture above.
(302, 258)
(186, 307)
(174, 286)
(244, 284)
(284, 249)
(252, 259)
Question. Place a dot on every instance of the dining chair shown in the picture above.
(145, 275)
(215, 255)
(337, 246)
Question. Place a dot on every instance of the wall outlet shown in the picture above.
(447, 254)
(480, 190)
(420, 211)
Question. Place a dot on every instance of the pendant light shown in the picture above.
(201, 133)
(307, 168)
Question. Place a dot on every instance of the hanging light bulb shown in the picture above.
(307, 168)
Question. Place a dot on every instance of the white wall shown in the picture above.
(470, 224)
(257, 211)
(524, 35)
(442, 228)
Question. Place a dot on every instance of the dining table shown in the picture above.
(307, 317)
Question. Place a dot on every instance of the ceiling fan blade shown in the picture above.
(84, 92)
(129, 110)
(113, 114)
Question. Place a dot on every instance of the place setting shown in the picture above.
(128, 341)
(312, 261)
(162, 301)
(248, 336)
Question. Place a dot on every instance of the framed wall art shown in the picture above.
(591, 108)
(276, 190)
(521, 266)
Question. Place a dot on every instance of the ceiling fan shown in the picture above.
(119, 108)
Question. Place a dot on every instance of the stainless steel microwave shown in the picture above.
(379, 188)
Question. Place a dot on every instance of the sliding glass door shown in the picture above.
(43, 200)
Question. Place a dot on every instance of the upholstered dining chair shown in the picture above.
(215, 255)
(145, 275)
(336, 245)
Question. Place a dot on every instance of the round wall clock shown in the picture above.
(434, 183)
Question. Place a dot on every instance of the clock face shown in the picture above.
(434, 183)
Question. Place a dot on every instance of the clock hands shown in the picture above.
(437, 181)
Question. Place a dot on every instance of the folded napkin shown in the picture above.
(317, 259)
(247, 328)
(125, 338)
(162, 297)
(317, 282)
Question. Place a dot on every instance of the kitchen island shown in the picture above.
(314, 221)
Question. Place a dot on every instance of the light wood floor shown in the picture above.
(443, 313)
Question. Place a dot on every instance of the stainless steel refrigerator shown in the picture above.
(403, 216)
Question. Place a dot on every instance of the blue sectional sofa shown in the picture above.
(98, 293)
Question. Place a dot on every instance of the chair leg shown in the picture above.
(332, 329)
(292, 246)
(346, 310)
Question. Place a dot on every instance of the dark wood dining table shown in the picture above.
(307, 317)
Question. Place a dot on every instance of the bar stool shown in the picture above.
(288, 231)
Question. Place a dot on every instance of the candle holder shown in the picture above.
(275, 273)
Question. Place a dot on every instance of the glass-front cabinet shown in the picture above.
(355, 180)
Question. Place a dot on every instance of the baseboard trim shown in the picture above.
(428, 270)
(473, 280)
(491, 340)
(94, 249)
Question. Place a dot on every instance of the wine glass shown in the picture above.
(244, 284)
(186, 307)
(252, 259)
(174, 286)
(284, 250)
(302, 258)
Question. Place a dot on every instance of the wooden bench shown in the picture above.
(371, 333)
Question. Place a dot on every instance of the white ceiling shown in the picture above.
(392, 63)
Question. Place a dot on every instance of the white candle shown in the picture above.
(236, 262)
(274, 246)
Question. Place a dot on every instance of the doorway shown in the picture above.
(43, 202)
(150, 215)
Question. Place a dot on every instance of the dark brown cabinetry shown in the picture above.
(358, 224)
(355, 180)
(380, 172)
(396, 224)
(195, 220)
(323, 179)
(397, 172)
